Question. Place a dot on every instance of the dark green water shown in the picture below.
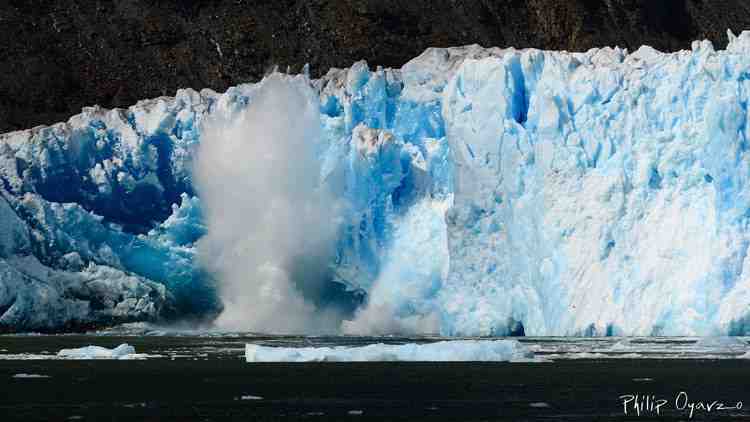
(184, 377)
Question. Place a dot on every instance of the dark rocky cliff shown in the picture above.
(57, 56)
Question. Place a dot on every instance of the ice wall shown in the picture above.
(600, 193)
(487, 192)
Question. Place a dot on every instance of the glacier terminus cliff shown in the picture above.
(474, 191)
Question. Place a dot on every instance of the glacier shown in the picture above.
(489, 192)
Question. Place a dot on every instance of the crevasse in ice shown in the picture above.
(490, 191)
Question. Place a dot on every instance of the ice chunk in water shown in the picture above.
(122, 351)
(443, 351)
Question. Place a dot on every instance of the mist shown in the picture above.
(402, 299)
(271, 224)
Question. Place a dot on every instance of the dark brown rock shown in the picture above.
(57, 56)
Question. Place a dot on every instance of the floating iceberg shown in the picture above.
(722, 344)
(123, 351)
(30, 376)
(488, 192)
(442, 351)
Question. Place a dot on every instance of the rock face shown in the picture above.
(60, 56)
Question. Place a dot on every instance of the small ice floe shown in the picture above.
(580, 355)
(643, 379)
(26, 356)
(442, 351)
(721, 347)
(721, 344)
(621, 346)
(123, 351)
(251, 397)
(539, 405)
(23, 376)
(355, 412)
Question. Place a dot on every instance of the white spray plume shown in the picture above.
(271, 224)
(409, 277)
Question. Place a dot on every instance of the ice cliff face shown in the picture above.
(489, 192)
(601, 193)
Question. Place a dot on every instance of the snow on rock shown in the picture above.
(539, 192)
(123, 351)
(442, 351)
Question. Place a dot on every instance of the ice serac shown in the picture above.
(104, 219)
(600, 193)
(486, 191)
